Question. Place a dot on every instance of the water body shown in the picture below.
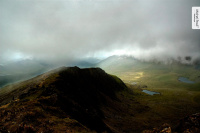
(150, 92)
(197, 67)
(185, 80)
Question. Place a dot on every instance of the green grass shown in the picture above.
(177, 99)
(169, 107)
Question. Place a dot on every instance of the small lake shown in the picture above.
(150, 92)
(185, 80)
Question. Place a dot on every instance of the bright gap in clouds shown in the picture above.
(17, 56)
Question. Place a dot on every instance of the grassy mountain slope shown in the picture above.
(69, 99)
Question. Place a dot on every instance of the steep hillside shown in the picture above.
(68, 99)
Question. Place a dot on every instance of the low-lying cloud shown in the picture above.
(61, 31)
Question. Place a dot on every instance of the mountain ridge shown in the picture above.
(80, 98)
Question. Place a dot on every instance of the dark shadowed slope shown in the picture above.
(67, 99)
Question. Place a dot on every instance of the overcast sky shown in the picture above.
(66, 30)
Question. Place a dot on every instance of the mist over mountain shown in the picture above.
(16, 71)
(66, 31)
(25, 69)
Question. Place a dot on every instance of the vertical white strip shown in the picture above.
(195, 17)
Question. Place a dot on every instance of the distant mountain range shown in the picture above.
(26, 69)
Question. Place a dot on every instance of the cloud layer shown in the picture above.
(62, 31)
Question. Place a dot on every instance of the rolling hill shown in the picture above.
(152, 73)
